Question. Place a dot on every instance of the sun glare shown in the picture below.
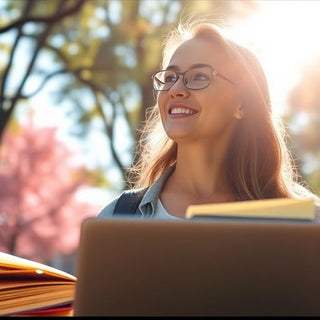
(284, 35)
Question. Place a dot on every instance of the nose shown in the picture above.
(178, 89)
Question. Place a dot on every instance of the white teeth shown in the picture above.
(181, 110)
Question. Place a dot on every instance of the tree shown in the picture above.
(85, 62)
(39, 210)
(62, 10)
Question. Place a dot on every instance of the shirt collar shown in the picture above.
(149, 201)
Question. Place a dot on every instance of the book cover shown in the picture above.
(280, 208)
(31, 288)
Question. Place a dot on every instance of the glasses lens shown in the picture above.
(163, 80)
(198, 78)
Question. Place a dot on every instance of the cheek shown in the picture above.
(224, 104)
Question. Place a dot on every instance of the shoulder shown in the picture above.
(107, 211)
(126, 201)
(149, 195)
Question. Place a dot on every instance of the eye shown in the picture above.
(170, 77)
(200, 76)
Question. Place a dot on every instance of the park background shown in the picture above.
(74, 87)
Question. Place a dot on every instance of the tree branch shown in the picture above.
(50, 19)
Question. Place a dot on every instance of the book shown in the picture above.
(267, 209)
(31, 288)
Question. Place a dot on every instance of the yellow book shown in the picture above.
(280, 208)
(31, 288)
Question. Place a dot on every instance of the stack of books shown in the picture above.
(33, 289)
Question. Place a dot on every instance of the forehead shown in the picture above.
(198, 50)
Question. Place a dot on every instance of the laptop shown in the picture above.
(139, 267)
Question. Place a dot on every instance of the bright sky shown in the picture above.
(284, 35)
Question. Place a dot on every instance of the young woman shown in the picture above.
(212, 136)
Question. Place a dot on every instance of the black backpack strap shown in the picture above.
(128, 202)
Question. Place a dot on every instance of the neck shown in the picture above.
(202, 173)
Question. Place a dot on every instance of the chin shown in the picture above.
(177, 134)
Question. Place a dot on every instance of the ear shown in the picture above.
(239, 112)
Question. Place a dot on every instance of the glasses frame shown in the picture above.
(214, 73)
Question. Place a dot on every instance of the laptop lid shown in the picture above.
(136, 267)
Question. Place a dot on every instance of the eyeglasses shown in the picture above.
(195, 78)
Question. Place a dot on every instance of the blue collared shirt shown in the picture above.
(148, 204)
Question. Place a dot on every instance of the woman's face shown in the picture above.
(199, 115)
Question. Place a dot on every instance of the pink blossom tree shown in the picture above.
(40, 214)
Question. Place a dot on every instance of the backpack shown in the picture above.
(128, 202)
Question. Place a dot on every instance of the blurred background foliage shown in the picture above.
(92, 60)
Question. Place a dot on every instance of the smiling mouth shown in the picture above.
(180, 110)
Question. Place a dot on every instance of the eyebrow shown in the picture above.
(197, 65)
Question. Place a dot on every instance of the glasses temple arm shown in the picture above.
(224, 78)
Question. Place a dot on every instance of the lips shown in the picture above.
(181, 109)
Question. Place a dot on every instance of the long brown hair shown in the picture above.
(259, 163)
